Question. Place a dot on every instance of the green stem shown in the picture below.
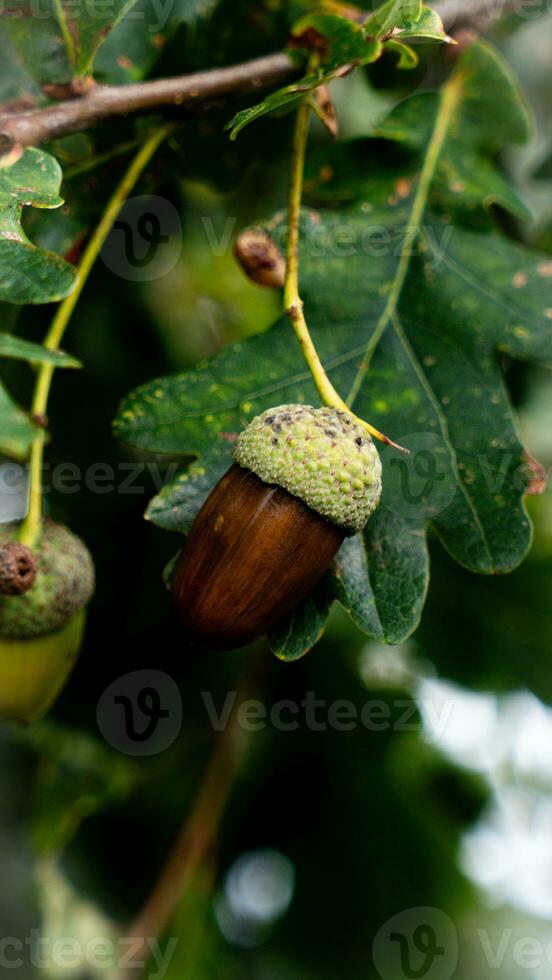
(30, 528)
(65, 33)
(92, 162)
(298, 152)
(293, 304)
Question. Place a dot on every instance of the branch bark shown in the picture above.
(192, 847)
(35, 126)
(197, 839)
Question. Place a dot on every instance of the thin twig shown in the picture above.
(35, 126)
(293, 304)
(194, 844)
(30, 528)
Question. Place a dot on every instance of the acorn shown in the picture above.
(41, 626)
(303, 479)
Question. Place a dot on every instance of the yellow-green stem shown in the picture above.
(30, 528)
(293, 303)
(65, 32)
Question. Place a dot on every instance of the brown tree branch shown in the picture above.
(188, 853)
(32, 127)
(197, 839)
(35, 126)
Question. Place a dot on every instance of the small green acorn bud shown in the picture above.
(303, 479)
(64, 584)
(41, 629)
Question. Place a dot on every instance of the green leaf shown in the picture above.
(391, 15)
(427, 27)
(29, 274)
(300, 631)
(15, 80)
(24, 350)
(409, 314)
(466, 180)
(136, 42)
(281, 99)
(63, 41)
(176, 505)
(341, 43)
(169, 571)
(370, 572)
(407, 56)
(36, 48)
(16, 429)
(85, 32)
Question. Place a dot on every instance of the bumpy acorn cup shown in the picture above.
(303, 479)
(41, 630)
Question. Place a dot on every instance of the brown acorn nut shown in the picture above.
(303, 479)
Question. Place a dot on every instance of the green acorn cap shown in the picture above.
(320, 455)
(64, 584)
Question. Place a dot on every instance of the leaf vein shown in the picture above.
(420, 373)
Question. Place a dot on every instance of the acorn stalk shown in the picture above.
(303, 479)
